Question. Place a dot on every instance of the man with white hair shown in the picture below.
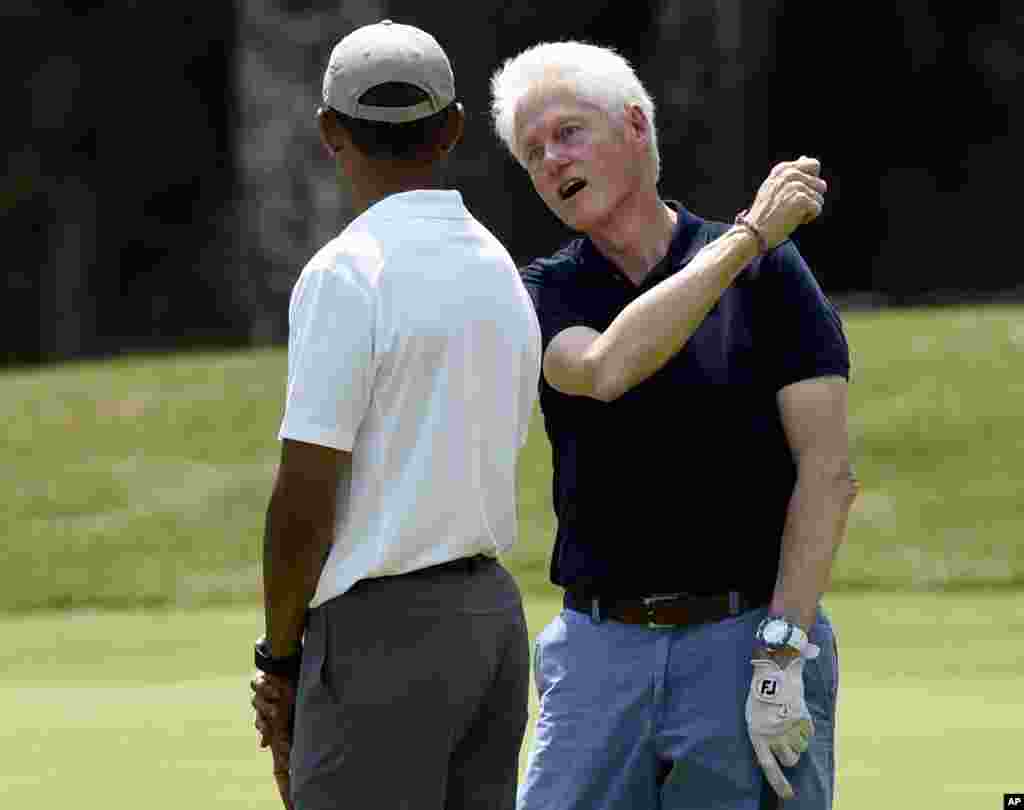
(395, 640)
(694, 391)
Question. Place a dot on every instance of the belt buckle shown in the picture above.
(651, 601)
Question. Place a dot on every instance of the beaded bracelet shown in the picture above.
(743, 222)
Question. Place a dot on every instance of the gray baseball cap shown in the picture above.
(388, 52)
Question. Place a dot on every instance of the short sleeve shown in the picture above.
(330, 358)
(553, 311)
(804, 330)
(531, 364)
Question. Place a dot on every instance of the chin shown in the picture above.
(583, 219)
(564, 216)
(568, 221)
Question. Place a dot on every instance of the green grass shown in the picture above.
(140, 481)
(143, 481)
(936, 407)
(131, 709)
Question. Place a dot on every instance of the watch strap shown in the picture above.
(285, 667)
(799, 641)
(795, 638)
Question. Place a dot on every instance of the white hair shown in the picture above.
(597, 74)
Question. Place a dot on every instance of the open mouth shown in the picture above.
(572, 188)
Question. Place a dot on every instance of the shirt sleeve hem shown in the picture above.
(836, 371)
(311, 434)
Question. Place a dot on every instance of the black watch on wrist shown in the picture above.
(285, 667)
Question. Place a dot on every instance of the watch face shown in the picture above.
(775, 632)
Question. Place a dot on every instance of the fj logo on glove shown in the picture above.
(768, 688)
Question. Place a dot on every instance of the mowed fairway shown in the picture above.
(130, 710)
(141, 482)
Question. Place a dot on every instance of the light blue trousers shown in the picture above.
(633, 718)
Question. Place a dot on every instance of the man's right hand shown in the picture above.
(793, 194)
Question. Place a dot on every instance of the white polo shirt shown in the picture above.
(414, 345)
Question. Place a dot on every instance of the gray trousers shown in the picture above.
(413, 694)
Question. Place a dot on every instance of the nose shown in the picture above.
(554, 156)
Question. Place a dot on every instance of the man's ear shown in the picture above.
(327, 136)
(637, 125)
(454, 128)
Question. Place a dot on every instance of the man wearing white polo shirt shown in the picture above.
(413, 362)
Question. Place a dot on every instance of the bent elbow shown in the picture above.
(607, 388)
(602, 385)
(606, 391)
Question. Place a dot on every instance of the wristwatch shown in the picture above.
(778, 633)
(285, 667)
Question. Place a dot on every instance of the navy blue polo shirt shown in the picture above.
(682, 484)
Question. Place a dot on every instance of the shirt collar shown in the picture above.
(421, 203)
(683, 235)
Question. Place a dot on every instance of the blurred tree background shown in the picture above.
(165, 184)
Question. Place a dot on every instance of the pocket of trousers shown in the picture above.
(835, 681)
(325, 662)
(544, 638)
(821, 673)
(830, 674)
(537, 676)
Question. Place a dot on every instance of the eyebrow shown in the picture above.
(528, 143)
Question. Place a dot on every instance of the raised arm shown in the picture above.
(652, 329)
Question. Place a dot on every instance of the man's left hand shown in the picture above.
(274, 702)
(779, 724)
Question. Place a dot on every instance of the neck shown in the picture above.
(377, 180)
(637, 233)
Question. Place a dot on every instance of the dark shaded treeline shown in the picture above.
(164, 184)
(121, 177)
(912, 112)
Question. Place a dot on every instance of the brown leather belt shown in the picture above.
(662, 610)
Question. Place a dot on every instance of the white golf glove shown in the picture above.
(779, 724)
